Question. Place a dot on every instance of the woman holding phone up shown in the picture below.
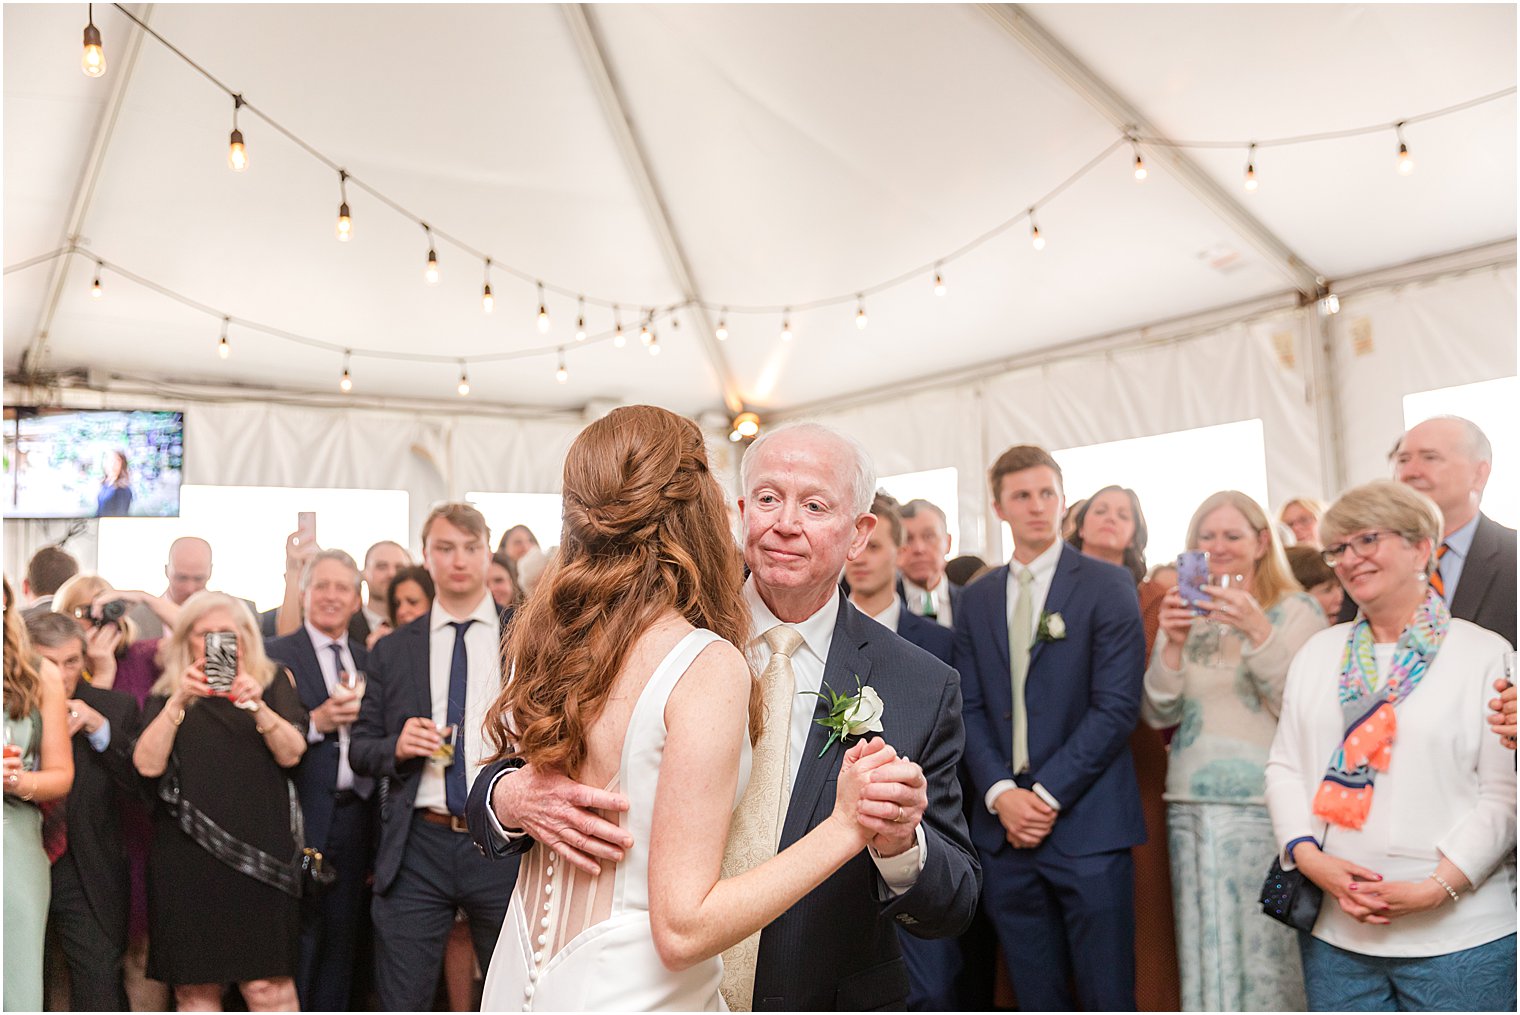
(1217, 673)
(219, 737)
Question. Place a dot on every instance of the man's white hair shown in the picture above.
(862, 483)
(1478, 447)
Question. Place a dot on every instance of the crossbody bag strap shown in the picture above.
(222, 844)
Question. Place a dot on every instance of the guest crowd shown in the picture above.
(208, 805)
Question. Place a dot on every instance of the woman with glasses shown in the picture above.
(1217, 673)
(1387, 789)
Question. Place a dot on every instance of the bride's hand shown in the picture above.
(854, 776)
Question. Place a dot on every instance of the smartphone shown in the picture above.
(306, 527)
(221, 660)
(1192, 576)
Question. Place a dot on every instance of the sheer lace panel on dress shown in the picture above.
(559, 899)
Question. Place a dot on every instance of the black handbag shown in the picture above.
(1291, 898)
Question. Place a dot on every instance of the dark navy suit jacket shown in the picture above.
(1083, 696)
(938, 641)
(316, 777)
(838, 947)
(399, 687)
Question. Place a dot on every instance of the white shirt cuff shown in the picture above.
(314, 735)
(998, 789)
(1044, 794)
(901, 872)
(501, 833)
(101, 738)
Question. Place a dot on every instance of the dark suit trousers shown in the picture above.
(933, 965)
(441, 871)
(333, 923)
(1064, 919)
(92, 951)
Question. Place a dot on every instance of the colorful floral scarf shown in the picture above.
(1345, 795)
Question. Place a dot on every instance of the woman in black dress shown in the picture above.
(210, 923)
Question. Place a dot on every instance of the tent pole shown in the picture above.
(1327, 402)
(593, 54)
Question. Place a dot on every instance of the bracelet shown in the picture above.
(179, 718)
(27, 796)
(1442, 882)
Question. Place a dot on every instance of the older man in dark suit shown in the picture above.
(87, 914)
(337, 805)
(807, 493)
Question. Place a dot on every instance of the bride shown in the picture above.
(625, 674)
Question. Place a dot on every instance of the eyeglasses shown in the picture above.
(1362, 546)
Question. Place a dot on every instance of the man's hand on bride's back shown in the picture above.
(860, 761)
(562, 814)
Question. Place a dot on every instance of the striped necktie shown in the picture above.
(1436, 581)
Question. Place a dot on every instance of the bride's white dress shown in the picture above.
(574, 942)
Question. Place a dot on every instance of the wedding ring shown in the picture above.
(13, 778)
(73, 714)
(900, 812)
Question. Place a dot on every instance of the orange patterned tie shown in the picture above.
(1436, 581)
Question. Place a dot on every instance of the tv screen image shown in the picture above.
(71, 463)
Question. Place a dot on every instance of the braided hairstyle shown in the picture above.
(645, 530)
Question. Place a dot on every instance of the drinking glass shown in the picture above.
(444, 755)
(352, 682)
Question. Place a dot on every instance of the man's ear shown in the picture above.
(1484, 470)
(864, 525)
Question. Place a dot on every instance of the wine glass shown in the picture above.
(353, 682)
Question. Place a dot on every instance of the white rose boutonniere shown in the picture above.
(850, 715)
(1052, 628)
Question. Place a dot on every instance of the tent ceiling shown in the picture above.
(800, 151)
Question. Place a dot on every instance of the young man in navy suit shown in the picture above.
(426, 679)
(873, 584)
(1051, 652)
(337, 805)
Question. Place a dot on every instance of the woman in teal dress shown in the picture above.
(38, 768)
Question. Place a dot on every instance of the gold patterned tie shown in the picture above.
(1020, 628)
(756, 826)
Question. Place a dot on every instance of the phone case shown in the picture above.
(221, 660)
(1192, 576)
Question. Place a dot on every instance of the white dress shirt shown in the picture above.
(1043, 568)
(899, 872)
(373, 618)
(889, 617)
(321, 643)
(941, 596)
(482, 643)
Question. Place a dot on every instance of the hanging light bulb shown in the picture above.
(746, 424)
(93, 62)
(345, 383)
(1251, 169)
(939, 284)
(1035, 239)
(543, 315)
(1331, 304)
(786, 326)
(580, 318)
(1140, 172)
(645, 334)
(345, 223)
(654, 343)
(562, 375)
(487, 301)
(222, 348)
(860, 313)
(237, 152)
(1405, 160)
(618, 338)
(721, 333)
(95, 291)
(430, 273)
(464, 381)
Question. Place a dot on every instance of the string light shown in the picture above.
(345, 383)
(939, 284)
(1405, 160)
(1140, 173)
(237, 152)
(430, 273)
(786, 325)
(487, 301)
(646, 335)
(345, 223)
(93, 61)
(222, 348)
(860, 314)
(745, 425)
(1251, 168)
(464, 381)
(1035, 239)
(722, 330)
(562, 375)
(543, 314)
(618, 338)
(654, 343)
(580, 318)
(1331, 304)
(95, 291)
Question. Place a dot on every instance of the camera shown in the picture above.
(110, 613)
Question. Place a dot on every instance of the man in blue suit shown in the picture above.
(807, 493)
(335, 803)
(1051, 654)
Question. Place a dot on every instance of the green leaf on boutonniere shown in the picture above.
(849, 715)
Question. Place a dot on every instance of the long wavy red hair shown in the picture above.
(645, 530)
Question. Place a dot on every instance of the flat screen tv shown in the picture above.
(84, 463)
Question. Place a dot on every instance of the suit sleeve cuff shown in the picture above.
(1044, 794)
(502, 834)
(901, 872)
(998, 789)
(101, 738)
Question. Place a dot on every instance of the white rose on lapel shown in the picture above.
(866, 718)
(1052, 627)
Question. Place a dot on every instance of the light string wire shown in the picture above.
(853, 294)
